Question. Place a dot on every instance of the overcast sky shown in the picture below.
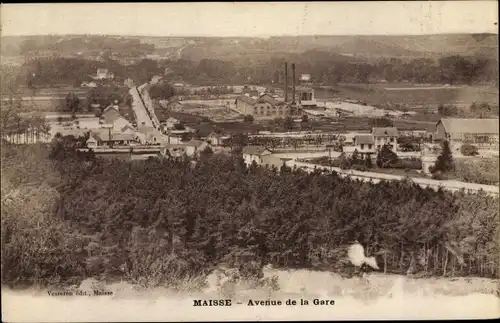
(251, 19)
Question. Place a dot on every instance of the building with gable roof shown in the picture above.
(112, 117)
(263, 106)
(255, 154)
(479, 132)
(364, 144)
(217, 139)
(385, 136)
(106, 137)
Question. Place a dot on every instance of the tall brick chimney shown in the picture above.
(293, 83)
(286, 82)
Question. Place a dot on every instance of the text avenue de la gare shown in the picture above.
(251, 302)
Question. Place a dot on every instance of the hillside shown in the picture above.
(198, 48)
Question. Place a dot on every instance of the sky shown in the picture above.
(251, 19)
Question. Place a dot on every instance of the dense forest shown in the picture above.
(161, 220)
(329, 68)
(325, 68)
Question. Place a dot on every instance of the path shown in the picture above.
(449, 185)
(139, 108)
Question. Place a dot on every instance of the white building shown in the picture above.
(217, 139)
(386, 136)
(305, 78)
(255, 153)
(364, 144)
(92, 142)
(104, 74)
(113, 117)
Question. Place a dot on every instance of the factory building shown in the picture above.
(263, 106)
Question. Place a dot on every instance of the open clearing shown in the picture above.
(412, 95)
(377, 296)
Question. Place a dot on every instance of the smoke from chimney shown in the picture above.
(293, 83)
(286, 82)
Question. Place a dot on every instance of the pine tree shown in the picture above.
(386, 157)
(444, 162)
(355, 157)
(368, 161)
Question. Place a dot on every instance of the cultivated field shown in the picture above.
(45, 99)
(413, 95)
(218, 110)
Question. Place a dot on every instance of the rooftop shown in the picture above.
(364, 139)
(103, 135)
(385, 132)
(111, 115)
(484, 126)
(254, 150)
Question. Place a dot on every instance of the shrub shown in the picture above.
(345, 163)
(483, 171)
(386, 157)
(438, 175)
(410, 163)
(469, 150)
(359, 167)
(248, 118)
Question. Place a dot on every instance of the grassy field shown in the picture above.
(46, 99)
(416, 97)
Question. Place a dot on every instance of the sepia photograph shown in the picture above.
(244, 161)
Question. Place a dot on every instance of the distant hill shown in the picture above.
(197, 48)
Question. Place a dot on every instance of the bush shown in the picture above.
(248, 118)
(359, 167)
(469, 150)
(158, 222)
(438, 175)
(386, 157)
(410, 163)
(483, 171)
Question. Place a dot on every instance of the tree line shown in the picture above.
(162, 218)
(324, 68)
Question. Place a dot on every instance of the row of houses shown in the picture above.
(483, 133)
(372, 142)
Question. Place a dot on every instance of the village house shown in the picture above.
(173, 150)
(106, 137)
(255, 154)
(263, 106)
(92, 142)
(149, 135)
(364, 144)
(305, 78)
(217, 139)
(128, 129)
(112, 117)
(482, 133)
(386, 136)
(113, 106)
(103, 74)
(194, 147)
